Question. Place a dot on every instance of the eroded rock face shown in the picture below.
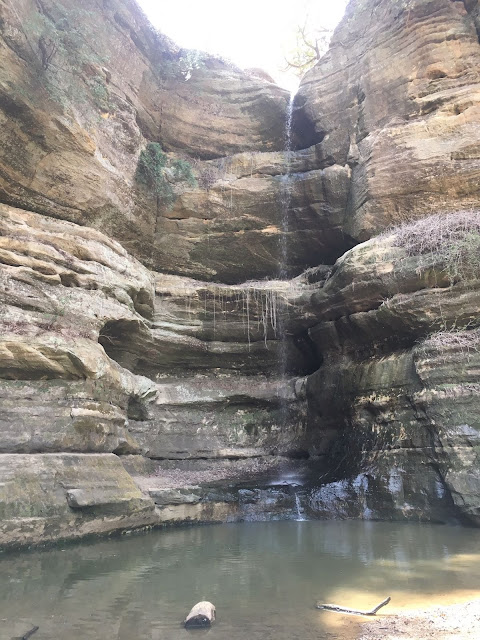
(234, 226)
(80, 109)
(397, 99)
(195, 352)
(225, 378)
(84, 88)
(49, 497)
(81, 315)
(400, 373)
(99, 356)
(60, 285)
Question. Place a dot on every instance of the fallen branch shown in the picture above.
(355, 612)
(27, 635)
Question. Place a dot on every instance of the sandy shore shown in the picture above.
(451, 622)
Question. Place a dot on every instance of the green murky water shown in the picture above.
(264, 579)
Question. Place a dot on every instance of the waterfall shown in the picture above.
(285, 201)
(298, 506)
(284, 274)
(286, 193)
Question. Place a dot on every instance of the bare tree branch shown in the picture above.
(310, 46)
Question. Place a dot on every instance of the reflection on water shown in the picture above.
(264, 579)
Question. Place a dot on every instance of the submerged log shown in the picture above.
(27, 635)
(201, 615)
(354, 612)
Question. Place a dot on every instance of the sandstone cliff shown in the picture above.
(82, 89)
(400, 346)
(396, 98)
(140, 335)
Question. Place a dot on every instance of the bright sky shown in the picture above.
(250, 33)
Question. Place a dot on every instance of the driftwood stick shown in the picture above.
(355, 612)
(27, 635)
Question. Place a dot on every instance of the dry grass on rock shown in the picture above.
(465, 341)
(451, 240)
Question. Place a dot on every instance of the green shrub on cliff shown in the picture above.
(182, 64)
(151, 173)
(158, 174)
(182, 170)
(150, 165)
(450, 240)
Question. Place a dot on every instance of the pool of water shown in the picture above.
(264, 579)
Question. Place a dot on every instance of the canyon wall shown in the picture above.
(166, 359)
(113, 357)
(397, 99)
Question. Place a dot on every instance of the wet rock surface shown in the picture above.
(231, 227)
(269, 488)
(97, 357)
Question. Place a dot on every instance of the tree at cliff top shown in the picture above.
(310, 45)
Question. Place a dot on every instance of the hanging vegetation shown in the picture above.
(159, 174)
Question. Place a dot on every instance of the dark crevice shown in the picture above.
(311, 358)
(476, 20)
(304, 133)
(461, 517)
(122, 341)
(124, 449)
(470, 5)
(298, 454)
(137, 410)
(70, 280)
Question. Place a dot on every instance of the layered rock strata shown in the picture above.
(99, 356)
(397, 99)
(143, 338)
(400, 360)
(84, 88)
(79, 117)
(232, 227)
(51, 496)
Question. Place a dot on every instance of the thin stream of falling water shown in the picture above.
(283, 271)
(286, 194)
(300, 515)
